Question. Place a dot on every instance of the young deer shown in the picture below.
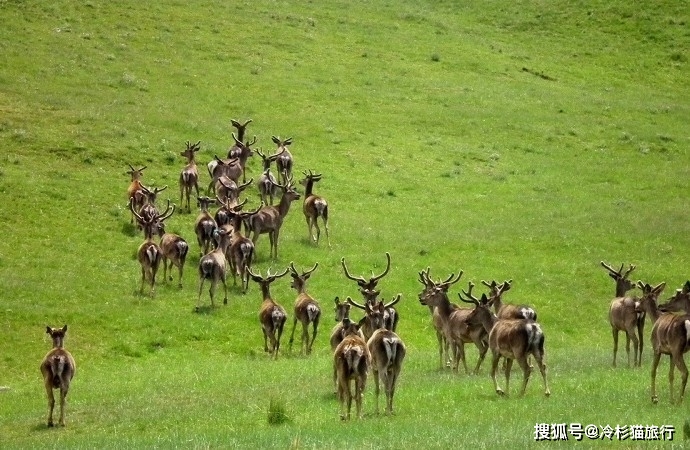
(212, 266)
(149, 253)
(269, 219)
(58, 369)
(307, 309)
(266, 183)
(373, 281)
(204, 225)
(387, 354)
(174, 250)
(314, 207)
(351, 362)
(445, 359)
(135, 191)
(272, 316)
(189, 177)
(284, 161)
(512, 339)
(625, 315)
(670, 336)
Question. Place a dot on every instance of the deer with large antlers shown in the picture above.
(269, 219)
(228, 191)
(267, 182)
(149, 209)
(174, 250)
(390, 315)
(307, 309)
(212, 266)
(314, 206)
(204, 225)
(670, 336)
(241, 251)
(189, 177)
(135, 190)
(362, 282)
(284, 161)
(351, 360)
(272, 315)
(234, 152)
(218, 168)
(512, 339)
(149, 253)
(445, 359)
(58, 369)
(625, 314)
(507, 310)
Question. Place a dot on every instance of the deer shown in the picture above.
(272, 315)
(235, 150)
(266, 182)
(174, 250)
(679, 302)
(219, 168)
(149, 253)
(342, 311)
(241, 250)
(284, 161)
(307, 309)
(135, 191)
(670, 336)
(243, 153)
(227, 191)
(445, 359)
(507, 311)
(269, 219)
(189, 177)
(204, 225)
(457, 331)
(212, 266)
(314, 206)
(373, 281)
(149, 209)
(58, 368)
(351, 362)
(512, 339)
(390, 315)
(625, 315)
(387, 354)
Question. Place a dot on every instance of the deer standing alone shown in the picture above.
(272, 315)
(625, 315)
(512, 339)
(58, 369)
(189, 177)
(314, 206)
(212, 266)
(307, 309)
(670, 336)
(351, 360)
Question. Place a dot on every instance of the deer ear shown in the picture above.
(47, 329)
(64, 329)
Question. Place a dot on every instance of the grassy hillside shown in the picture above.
(523, 140)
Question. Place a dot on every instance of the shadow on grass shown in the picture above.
(129, 229)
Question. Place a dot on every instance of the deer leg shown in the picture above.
(277, 345)
(526, 373)
(461, 351)
(671, 366)
(292, 335)
(494, 367)
(508, 366)
(315, 326)
(542, 368)
(64, 388)
(143, 279)
(635, 342)
(483, 348)
(201, 286)
(325, 226)
(212, 290)
(655, 364)
(359, 390)
(265, 339)
(318, 230)
(225, 288)
(375, 373)
(614, 332)
(627, 346)
(441, 343)
(304, 345)
(180, 269)
(680, 363)
(640, 333)
(154, 269)
(51, 401)
(392, 381)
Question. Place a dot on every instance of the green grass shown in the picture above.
(508, 139)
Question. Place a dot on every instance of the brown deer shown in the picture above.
(351, 360)
(457, 331)
(679, 302)
(284, 161)
(212, 266)
(266, 182)
(506, 310)
(204, 225)
(445, 359)
(219, 168)
(625, 315)
(241, 251)
(149, 209)
(512, 339)
(135, 191)
(229, 191)
(373, 281)
(342, 311)
(235, 150)
(314, 206)
(58, 369)
(272, 315)
(269, 219)
(149, 253)
(390, 314)
(189, 177)
(174, 250)
(307, 309)
(387, 354)
(670, 336)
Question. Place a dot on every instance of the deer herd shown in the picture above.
(369, 345)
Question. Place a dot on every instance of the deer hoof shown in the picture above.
(500, 392)
(547, 393)
(655, 399)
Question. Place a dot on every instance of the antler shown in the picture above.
(355, 304)
(617, 273)
(136, 214)
(385, 272)
(166, 215)
(468, 294)
(395, 300)
(347, 273)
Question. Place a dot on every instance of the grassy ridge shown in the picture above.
(510, 140)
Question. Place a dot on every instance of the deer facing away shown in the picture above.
(351, 360)
(314, 206)
(58, 369)
(307, 309)
(625, 315)
(272, 315)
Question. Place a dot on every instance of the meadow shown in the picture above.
(511, 140)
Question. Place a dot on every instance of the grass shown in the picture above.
(510, 140)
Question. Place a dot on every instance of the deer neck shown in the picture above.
(266, 292)
(443, 305)
(620, 288)
(284, 205)
(308, 189)
(652, 309)
(58, 342)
